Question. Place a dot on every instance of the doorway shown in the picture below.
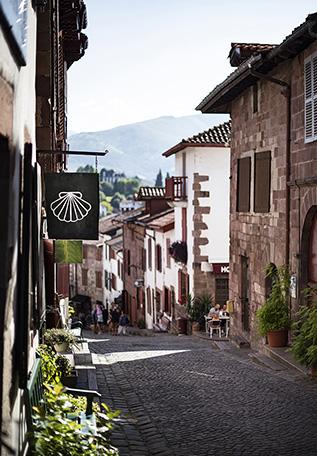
(245, 293)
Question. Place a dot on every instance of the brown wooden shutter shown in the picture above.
(168, 256)
(243, 184)
(149, 248)
(184, 224)
(180, 287)
(262, 181)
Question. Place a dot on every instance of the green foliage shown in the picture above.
(68, 252)
(63, 365)
(51, 372)
(274, 314)
(198, 307)
(106, 188)
(59, 336)
(304, 346)
(159, 179)
(86, 169)
(141, 323)
(116, 199)
(57, 431)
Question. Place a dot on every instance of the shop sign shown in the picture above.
(72, 205)
(220, 268)
(68, 252)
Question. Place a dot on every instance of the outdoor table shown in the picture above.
(226, 319)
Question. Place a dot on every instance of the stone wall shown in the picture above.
(262, 237)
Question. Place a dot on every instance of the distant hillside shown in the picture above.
(136, 149)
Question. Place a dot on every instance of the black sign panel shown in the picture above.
(72, 205)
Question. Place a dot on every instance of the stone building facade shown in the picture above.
(273, 194)
(199, 194)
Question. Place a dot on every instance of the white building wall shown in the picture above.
(215, 163)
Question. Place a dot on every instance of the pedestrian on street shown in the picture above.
(114, 320)
(98, 318)
(123, 323)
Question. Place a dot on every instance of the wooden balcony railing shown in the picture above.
(176, 188)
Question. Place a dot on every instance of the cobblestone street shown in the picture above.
(183, 396)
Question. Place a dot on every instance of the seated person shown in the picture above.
(224, 312)
(162, 325)
(211, 312)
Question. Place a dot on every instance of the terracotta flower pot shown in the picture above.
(278, 338)
(195, 326)
(61, 348)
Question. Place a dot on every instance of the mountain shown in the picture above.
(136, 149)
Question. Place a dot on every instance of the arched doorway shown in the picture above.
(309, 250)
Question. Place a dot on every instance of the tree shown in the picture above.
(107, 188)
(86, 169)
(167, 175)
(116, 200)
(159, 179)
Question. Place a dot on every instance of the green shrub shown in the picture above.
(57, 431)
(141, 323)
(59, 336)
(198, 307)
(51, 372)
(274, 314)
(304, 346)
(64, 365)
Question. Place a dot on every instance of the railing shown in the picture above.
(176, 188)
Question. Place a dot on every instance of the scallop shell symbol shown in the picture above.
(70, 207)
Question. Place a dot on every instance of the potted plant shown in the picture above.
(273, 317)
(304, 346)
(197, 308)
(60, 339)
(68, 374)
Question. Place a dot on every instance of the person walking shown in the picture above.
(123, 323)
(99, 322)
(114, 320)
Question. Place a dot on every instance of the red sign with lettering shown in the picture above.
(220, 268)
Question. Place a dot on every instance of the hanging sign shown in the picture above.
(72, 205)
(68, 252)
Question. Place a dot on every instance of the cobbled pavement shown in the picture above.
(194, 399)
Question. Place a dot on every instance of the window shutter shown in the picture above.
(168, 256)
(184, 224)
(310, 77)
(180, 287)
(243, 184)
(262, 181)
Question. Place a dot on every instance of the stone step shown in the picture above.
(285, 357)
(240, 342)
(265, 361)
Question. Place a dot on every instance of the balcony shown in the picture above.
(176, 188)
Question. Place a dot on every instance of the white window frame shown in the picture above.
(312, 99)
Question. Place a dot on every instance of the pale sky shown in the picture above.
(149, 58)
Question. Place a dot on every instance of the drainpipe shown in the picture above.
(287, 93)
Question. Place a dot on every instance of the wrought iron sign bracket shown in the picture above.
(73, 152)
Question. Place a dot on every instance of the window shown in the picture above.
(159, 258)
(255, 98)
(106, 279)
(168, 256)
(85, 251)
(149, 252)
(84, 277)
(129, 262)
(99, 253)
(262, 181)
(310, 77)
(313, 252)
(98, 278)
(119, 268)
(112, 253)
(243, 184)
(143, 259)
(183, 287)
(184, 224)
(148, 298)
(113, 282)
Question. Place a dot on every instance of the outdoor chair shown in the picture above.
(214, 325)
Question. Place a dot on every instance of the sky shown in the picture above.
(150, 58)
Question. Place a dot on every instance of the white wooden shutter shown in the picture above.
(310, 76)
(308, 100)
